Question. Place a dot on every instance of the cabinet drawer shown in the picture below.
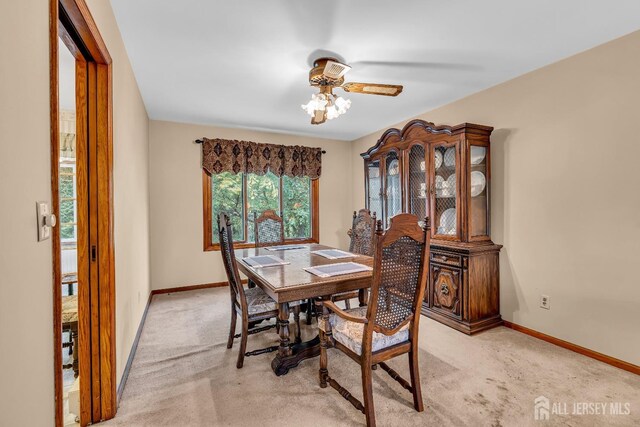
(446, 290)
(446, 258)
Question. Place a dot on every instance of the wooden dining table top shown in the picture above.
(291, 282)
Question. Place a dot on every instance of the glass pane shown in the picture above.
(444, 161)
(373, 177)
(479, 192)
(417, 182)
(263, 192)
(226, 196)
(296, 198)
(394, 191)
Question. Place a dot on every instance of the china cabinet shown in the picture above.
(443, 172)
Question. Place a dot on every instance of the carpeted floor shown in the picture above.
(183, 375)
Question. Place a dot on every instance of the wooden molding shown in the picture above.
(190, 288)
(71, 21)
(55, 207)
(630, 367)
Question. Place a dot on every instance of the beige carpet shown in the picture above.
(183, 375)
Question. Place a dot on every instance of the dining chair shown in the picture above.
(362, 234)
(268, 228)
(388, 326)
(251, 304)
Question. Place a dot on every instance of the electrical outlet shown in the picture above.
(545, 302)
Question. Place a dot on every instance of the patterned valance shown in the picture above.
(224, 155)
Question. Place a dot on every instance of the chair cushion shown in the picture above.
(259, 302)
(350, 333)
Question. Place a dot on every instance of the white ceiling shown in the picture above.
(245, 63)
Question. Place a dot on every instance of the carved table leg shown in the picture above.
(325, 334)
(289, 356)
(283, 320)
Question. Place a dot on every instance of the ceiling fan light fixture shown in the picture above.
(318, 102)
(330, 105)
(342, 104)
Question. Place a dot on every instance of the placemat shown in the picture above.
(333, 253)
(264, 261)
(338, 269)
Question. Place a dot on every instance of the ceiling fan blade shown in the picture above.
(318, 118)
(419, 65)
(373, 88)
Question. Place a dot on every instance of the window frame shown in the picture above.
(207, 218)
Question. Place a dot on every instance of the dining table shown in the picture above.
(291, 282)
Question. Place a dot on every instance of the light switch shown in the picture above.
(46, 220)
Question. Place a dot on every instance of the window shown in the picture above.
(243, 195)
(68, 196)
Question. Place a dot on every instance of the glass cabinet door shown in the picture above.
(374, 185)
(445, 209)
(479, 192)
(417, 182)
(393, 186)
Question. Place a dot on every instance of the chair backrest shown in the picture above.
(229, 258)
(399, 275)
(362, 233)
(269, 229)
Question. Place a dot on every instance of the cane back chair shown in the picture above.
(388, 326)
(251, 304)
(268, 229)
(362, 234)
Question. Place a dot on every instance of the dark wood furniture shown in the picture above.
(70, 324)
(252, 304)
(388, 326)
(361, 234)
(268, 229)
(443, 172)
(288, 283)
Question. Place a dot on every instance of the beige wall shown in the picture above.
(26, 349)
(177, 258)
(26, 308)
(565, 197)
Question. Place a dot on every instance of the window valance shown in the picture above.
(224, 155)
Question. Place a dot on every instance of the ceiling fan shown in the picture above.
(328, 73)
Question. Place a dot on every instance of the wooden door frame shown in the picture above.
(71, 21)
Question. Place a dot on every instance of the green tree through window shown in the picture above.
(289, 197)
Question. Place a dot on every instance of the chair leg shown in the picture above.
(347, 304)
(414, 370)
(232, 328)
(243, 342)
(367, 394)
(296, 318)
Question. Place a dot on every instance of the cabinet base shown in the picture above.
(462, 326)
